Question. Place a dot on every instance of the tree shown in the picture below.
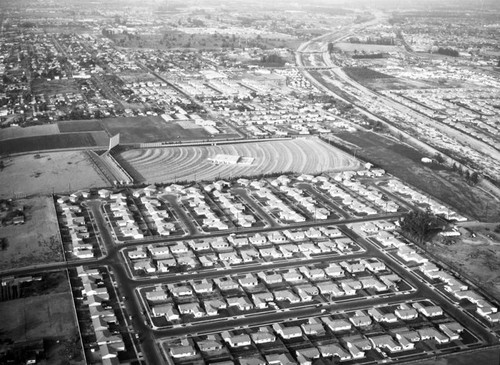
(419, 225)
(467, 175)
(330, 47)
(439, 158)
(4, 243)
(474, 178)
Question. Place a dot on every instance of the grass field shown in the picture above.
(73, 126)
(150, 129)
(394, 83)
(58, 171)
(52, 87)
(351, 47)
(404, 162)
(47, 142)
(38, 317)
(18, 132)
(363, 73)
(483, 357)
(34, 242)
(303, 155)
(101, 138)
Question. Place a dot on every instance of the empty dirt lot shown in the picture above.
(34, 242)
(47, 172)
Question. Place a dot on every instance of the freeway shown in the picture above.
(364, 95)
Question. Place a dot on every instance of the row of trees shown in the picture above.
(471, 178)
(447, 51)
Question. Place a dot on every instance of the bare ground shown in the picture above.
(49, 172)
(476, 253)
(37, 317)
(34, 242)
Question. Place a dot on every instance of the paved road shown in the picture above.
(127, 285)
(244, 269)
(165, 240)
(427, 292)
(321, 198)
(253, 204)
(181, 213)
(310, 311)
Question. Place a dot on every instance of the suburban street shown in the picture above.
(127, 286)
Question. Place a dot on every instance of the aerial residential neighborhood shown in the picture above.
(225, 182)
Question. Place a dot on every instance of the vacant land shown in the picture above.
(150, 129)
(351, 47)
(38, 317)
(484, 357)
(201, 40)
(18, 132)
(395, 83)
(380, 81)
(302, 155)
(47, 142)
(403, 161)
(47, 172)
(476, 253)
(364, 73)
(52, 87)
(34, 242)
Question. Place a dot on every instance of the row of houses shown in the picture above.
(124, 219)
(237, 249)
(461, 291)
(71, 217)
(156, 215)
(337, 193)
(237, 209)
(410, 254)
(372, 194)
(317, 211)
(388, 239)
(273, 203)
(352, 347)
(195, 199)
(297, 290)
(193, 258)
(108, 343)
